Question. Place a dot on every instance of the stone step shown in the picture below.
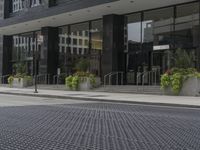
(131, 89)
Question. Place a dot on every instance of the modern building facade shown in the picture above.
(129, 36)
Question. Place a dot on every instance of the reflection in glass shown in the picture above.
(157, 29)
(133, 46)
(96, 46)
(187, 31)
(73, 45)
(24, 46)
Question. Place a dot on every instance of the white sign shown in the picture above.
(40, 38)
(161, 47)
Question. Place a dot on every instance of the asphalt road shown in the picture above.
(55, 124)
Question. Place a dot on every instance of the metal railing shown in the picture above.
(119, 77)
(56, 78)
(150, 76)
(43, 79)
(2, 79)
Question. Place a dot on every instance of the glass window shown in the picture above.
(187, 31)
(63, 47)
(96, 46)
(157, 29)
(17, 5)
(158, 26)
(133, 33)
(187, 26)
(132, 40)
(23, 51)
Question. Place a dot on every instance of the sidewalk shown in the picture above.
(108, 97)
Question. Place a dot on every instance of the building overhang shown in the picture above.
(85, 14)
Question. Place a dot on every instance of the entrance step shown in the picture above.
(130, 89)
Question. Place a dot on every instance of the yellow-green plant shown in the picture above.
(175, 78)
(10, 80)
(73, 81)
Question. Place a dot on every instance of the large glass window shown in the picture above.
(157, 29)
(133, 45)
(187, 31)
(96, 46)
(73, 45)
(35, 3)
(23, 47)
(79, 39)
(64, 51)
(187, 26)
(17, 5)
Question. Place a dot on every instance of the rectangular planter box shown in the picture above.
(21, 83)
(191, 87)
(86, 85)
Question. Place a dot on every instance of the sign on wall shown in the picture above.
(161, 47)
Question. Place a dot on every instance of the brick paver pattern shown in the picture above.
(99, 126)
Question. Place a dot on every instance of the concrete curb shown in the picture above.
(103, 100)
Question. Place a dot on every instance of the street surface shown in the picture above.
(33, 123)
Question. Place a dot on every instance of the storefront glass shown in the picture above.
(96, 46)
(187, 33)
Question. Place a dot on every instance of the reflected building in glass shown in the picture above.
(113, 35)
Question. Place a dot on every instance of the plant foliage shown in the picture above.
(73, 81)
(176, 77)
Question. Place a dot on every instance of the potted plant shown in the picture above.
(179, 81)
(20, 79)
(82, 79)
(183, 79)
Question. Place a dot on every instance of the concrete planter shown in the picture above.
(191, 87)
(85, 85)
(21, 83)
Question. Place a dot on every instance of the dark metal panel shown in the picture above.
(113, 46)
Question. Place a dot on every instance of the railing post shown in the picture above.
(155, 77)
(117, 79)
(57, 79)
(109, 80)
(122, 78)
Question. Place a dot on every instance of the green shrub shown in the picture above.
(176, 82)
(73, 81)
(165, 81)
(176, 77)
(68, 81)
(10, 80)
